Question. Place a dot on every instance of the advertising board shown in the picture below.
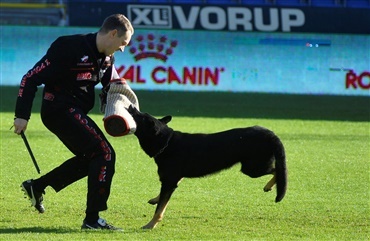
(294, 63)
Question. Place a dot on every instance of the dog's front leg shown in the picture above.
(164, 197)
(155, 200)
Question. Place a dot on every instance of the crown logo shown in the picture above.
(151, 47)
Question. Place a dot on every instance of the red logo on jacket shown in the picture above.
(84, 76)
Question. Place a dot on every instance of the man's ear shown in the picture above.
(166, 119)
(113, 32)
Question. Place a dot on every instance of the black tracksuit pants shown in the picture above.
(94, 155)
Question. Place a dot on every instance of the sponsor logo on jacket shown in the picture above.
(84, 76)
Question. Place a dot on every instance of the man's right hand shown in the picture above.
(20, 125)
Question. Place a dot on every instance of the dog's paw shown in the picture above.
(267, 189)
(147, 227)
(154, 201)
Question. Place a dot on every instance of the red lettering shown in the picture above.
(154, 75)
(108, 156)
(23, 82)
(172, 76)
(30, 73)
(211, 76)
(138, 79)
(200, 76)
(351, 79)
(103, 144)
(20, 93)
(354, 81)
(361, 82)
(78, 116)
(132, 74)
(129, 74)
(103, 171)
(84, 76)
(169, 75)
(84, 121)
(120, 69)
(107, 150)
(191, 76)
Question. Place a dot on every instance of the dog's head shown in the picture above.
(153, 133)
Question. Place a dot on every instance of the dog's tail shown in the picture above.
(281, 171)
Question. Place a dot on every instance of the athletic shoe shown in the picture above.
(35, 197)
(101, 224)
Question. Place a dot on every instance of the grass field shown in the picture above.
(327, 141)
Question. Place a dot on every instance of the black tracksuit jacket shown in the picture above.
(70, 70)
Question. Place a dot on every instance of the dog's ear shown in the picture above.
(131, 109)
(166, 119)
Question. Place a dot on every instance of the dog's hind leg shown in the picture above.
(164, 197)
(270, 184)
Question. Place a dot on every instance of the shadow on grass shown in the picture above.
(37, 230)
(233, 105)
(64, 230)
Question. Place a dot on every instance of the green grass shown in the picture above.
(327, 140)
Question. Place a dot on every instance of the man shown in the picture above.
(70, 70)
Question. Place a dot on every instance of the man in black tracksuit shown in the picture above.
(70, 70)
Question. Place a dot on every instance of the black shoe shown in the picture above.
(100, 224)
(35, 197)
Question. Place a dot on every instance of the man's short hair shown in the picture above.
(116, 21)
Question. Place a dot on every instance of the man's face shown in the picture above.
(118, 43)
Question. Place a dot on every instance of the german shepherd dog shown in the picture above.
(180, 155)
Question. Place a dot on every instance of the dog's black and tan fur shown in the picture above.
(180, 155)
